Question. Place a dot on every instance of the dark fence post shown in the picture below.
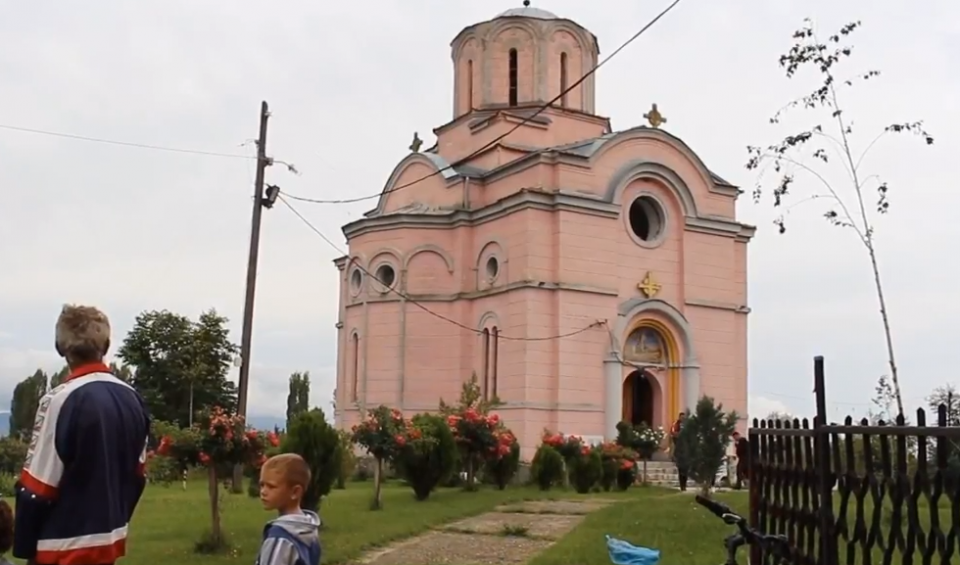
(828, 547)
(753, 477)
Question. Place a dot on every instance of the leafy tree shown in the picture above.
(807, 152)
(13, 452)
(24, 404)
(311, 437)
(298, 399)
(57, 378)
(501, 471)
(122, 372)
(948, 396)
(179, 364)
(780, 416)
(701, 445)
(547, 467)
(348, 459)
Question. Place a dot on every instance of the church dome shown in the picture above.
(528, 12)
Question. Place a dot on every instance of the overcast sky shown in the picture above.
(132, 229)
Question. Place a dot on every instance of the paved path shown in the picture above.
(511, 534)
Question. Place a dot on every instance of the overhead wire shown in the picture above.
(503, 136)
(391, 288)
(125, 143)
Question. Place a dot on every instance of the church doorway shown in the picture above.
(639, 392)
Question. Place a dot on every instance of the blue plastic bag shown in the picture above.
(624, 553)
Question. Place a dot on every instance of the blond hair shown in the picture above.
(82, 334)
(291, 467)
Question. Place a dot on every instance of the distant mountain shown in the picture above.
(266, 422)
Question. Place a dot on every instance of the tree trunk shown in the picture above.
(471, 473)
(377, 477)
(216, 533)
(644, 480)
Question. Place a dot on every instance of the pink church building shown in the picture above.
(585, 275)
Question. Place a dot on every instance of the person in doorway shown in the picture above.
(84, 472)
(741, 448)
(680, 462)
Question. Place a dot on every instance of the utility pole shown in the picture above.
(245, 340)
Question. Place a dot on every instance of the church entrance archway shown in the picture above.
(640, 398)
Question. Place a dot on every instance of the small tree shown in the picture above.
(348, 459)
(547, 467)
(379, 434)
(702, 442)
(808, 151)
(427, 454)
(480, 437)
(311, 437)
(585, 469)
(614, 456)
(218, 442)
(501, 470)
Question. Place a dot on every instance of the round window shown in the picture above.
(356, 279)
(647, 219)
(386, 276)
(492, 268)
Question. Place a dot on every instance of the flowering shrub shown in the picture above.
(547, 467)
(568, 447)
(217, 442)
(500, 471)
(382, 434)
(585, 469)
(643, 439)
(427, 454)
(480, 437)
(627, 474)
(613, 457)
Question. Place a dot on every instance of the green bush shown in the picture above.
(348, 459)
(163, 471)
(13, 452)
(428, 454)
(626, 475)
(7, 484)
(501, 471)
(585, 470)
(547, 467)
(311, 437)
(608, 476)
(702, 443)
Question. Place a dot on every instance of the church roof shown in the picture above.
(529, 12)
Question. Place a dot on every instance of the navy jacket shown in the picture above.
(84, 472)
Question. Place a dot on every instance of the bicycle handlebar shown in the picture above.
(779, 544)
(719, 509)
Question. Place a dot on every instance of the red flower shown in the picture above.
(273, 439)
(166, 444)
(401, 441)
(626, 465)
(494, 419)
(204, 458)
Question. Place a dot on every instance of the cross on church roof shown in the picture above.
(654, 117)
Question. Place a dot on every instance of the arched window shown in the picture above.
(495, 359)
(563, 79)
(355, 366)
(486, 362)
(470, 85)
(513, 77)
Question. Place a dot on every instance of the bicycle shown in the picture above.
(777, 545)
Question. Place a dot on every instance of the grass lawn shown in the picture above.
(684, 532)
(169, 520)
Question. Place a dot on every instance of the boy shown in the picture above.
(292, 538)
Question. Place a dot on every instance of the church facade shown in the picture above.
(584, 275)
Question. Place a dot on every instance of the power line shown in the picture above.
(419, 305)
(125, 143)
(496, 140)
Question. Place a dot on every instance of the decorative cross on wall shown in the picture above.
(648, 286)
(654, 117)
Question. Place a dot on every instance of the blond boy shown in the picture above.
(292, 538)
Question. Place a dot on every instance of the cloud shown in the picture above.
(761, 407)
